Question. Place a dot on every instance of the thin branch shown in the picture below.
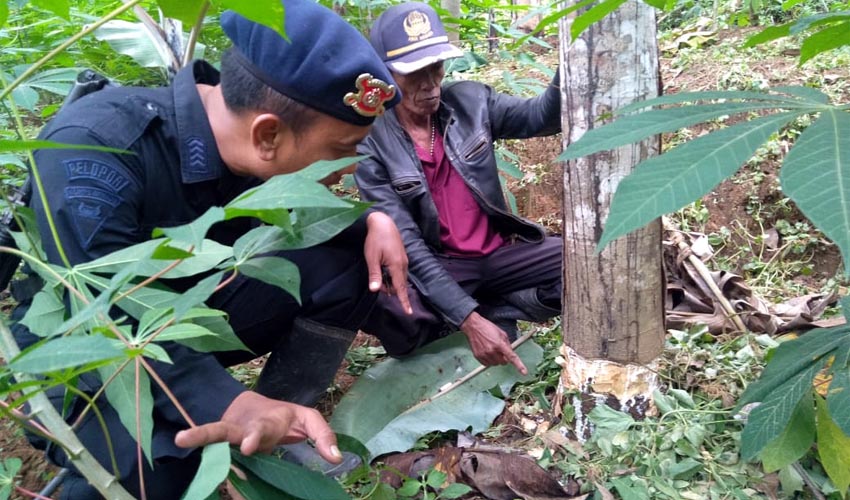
(139, 457)
(151, 279)
(167, 391)
(194, 34)
(457, 383)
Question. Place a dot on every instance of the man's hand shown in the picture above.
(257, 423)
(384, 248)
(490, 343)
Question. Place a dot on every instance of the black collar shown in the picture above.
(199, 157)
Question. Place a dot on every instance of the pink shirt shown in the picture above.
(465, 230)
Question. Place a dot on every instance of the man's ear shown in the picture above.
(268, 133)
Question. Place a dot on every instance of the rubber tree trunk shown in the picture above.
(613, 300)
(453, 8)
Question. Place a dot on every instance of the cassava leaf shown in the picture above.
(838, 398)
(594, 14)
(816, 175)
(632, 128)
(795, 440)
(215, 465)
(45, 314)
(826, 39)
(197, 295)
(252, 487)
(665, 183)
(768, 34)
(382, 409)
(194, 232)
(66, 352)
(767, 421)
(833, 449)
(209, 254)
(323, 168)
(704, 97)
(127, 400)
(186, 11)
(292, 479)
(275, 271)
(7, 146)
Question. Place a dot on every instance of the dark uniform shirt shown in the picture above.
(102, 202)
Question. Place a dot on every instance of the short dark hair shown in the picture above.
(243, 91)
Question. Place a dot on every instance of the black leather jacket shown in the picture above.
(471, 117)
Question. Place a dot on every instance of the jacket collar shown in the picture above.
(199, 157)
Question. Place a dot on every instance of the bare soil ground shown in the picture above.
(539, 197)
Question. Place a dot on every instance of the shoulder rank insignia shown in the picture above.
(371, 95)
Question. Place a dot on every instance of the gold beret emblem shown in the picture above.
(417, 26)
(371, 95)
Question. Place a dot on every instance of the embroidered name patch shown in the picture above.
(94, 170)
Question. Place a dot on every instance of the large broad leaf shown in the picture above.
(767, 421)
(838, 398)
(61, 8)
(275, 271)
(382, 409)
(66, 352)
(795, 440)
(197, 295)
(292, 479)
(665, 183)
(134, 40)
(816, 175)
(594, 14)
(202, 339)
(215, 465)
(134, 403)
(833, 449)
(824, 40)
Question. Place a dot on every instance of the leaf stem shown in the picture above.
(139, 457)
(194, 34)
(155, 376)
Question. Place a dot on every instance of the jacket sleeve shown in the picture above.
(513, 117)
(95, 199)
(426, 273)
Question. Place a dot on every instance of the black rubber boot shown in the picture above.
(304, 363)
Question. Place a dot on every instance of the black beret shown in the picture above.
(326, 64)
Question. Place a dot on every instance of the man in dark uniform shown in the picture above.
(276, 107)
(475, 266)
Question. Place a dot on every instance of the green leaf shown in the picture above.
(66, 352)
(7, 146)
(133, 404)
(814, 96)
(186, 11)
(435, 479)
(768, 34)
(665, 183)
(838, 398)
(409, 488)
(200, 338)
(168, 252)
(694, 97)
(215, 465)
(383, 411)
(323, 168)
(292, 479)
(833, 449)
(209, 254)
(635, 127)
(194, 232)
(609, 419)
(9, 468)
(254, 488)
(824, 40)
(455, 490)
(275, 271)
(816, 175)
(197, 295)
(272, 200)
(59, 7)
(594, 14)
(629, 489)
(793, 357)
(4, 12)
(318, 225)
(685, 469)
(45, 314)
(769, 419)
(266, 12)
(795, 440)
(658, 4)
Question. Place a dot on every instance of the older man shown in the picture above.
(474, 265)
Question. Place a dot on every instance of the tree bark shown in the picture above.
(453, 8)
(613, 300)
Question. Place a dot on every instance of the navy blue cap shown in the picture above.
(410, 36)
(326, 64)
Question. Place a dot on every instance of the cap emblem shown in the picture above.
(371, 95)
(417, 26)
